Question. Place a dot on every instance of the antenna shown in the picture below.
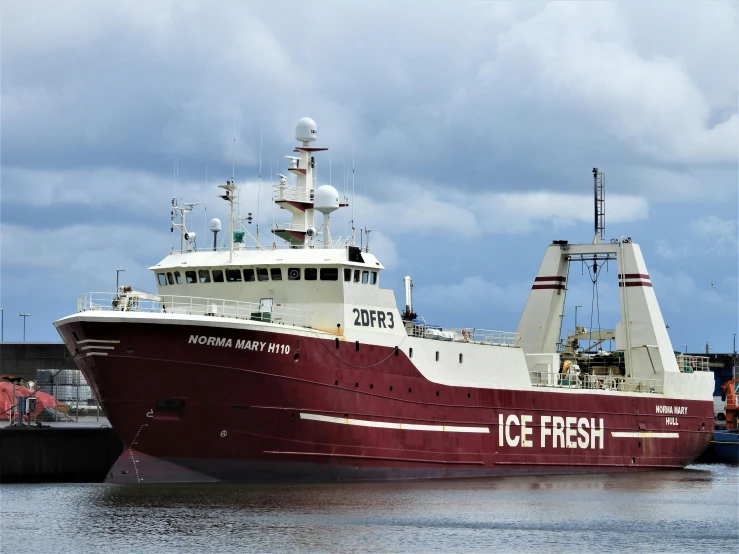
(599, 195)
(259, 186)
(233, 157)
(205, 217)
(354, 198)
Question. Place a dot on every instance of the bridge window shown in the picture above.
(276, 273)
(190, 277)
(248, 275)
(162, 278)
(329, 274)
(262, 274)
(356, 276)
(311, 274)
(373, 277)
(204, 276)
(178, 277)
(218, 276)
(347, 274)
(170, 278)
(293, 274)
(365, 277)
(233, 275)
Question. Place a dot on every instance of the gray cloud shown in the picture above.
(470, 121)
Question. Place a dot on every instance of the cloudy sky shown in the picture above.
(475, 128)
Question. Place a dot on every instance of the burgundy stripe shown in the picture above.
(633, 276)
(559, 287)
(554, 278)
(635, 284)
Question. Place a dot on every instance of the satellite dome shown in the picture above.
(326, 199)
(306, 130)
(215, 225)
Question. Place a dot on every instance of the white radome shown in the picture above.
(326, 199)
(215, 224)
(306, 130)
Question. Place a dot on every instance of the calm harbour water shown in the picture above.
(693, 510)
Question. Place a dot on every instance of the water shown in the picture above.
(693, 510)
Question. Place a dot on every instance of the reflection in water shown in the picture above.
(688, 510)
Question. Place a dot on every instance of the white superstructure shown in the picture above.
(309, 283)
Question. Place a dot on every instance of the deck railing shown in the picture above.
(191, 305)
(285, 192)
(689, 364)
(596, 382)
(467, 334)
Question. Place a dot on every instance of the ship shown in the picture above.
(290, 362)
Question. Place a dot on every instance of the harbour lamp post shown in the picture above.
(117, 272)
(685, 348)
(24, 316)
(576, 307)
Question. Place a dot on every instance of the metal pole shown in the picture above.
(2, 321)
(685, 348)
(77, 410)
(117, 271)
(576, 307)
(24, 316)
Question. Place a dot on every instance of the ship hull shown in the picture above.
(283, 407)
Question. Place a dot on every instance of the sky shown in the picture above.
(473, 126)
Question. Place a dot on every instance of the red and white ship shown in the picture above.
(290, 362)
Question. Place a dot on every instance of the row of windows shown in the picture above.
(265, 274)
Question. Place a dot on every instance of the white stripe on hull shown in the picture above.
(644, 435)
(389, 425)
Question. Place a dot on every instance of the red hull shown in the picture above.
(239, 414)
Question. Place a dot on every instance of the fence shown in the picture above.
(191, 305)
(596, 382)
(689, 364)
(71, 391)
(467, 334)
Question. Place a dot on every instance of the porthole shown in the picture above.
(460, 357)
(356, 385)
(409, 390)
(437, 393)
(371, 386)
(296, 358)
(410, 352)
(468, 395)
(336, 383)
(391, 388)
(337, 342)
(292, 415)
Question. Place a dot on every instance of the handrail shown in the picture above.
(191, 305)
(689, 363)
(596, 382)
(468, 334)
(286, 192)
